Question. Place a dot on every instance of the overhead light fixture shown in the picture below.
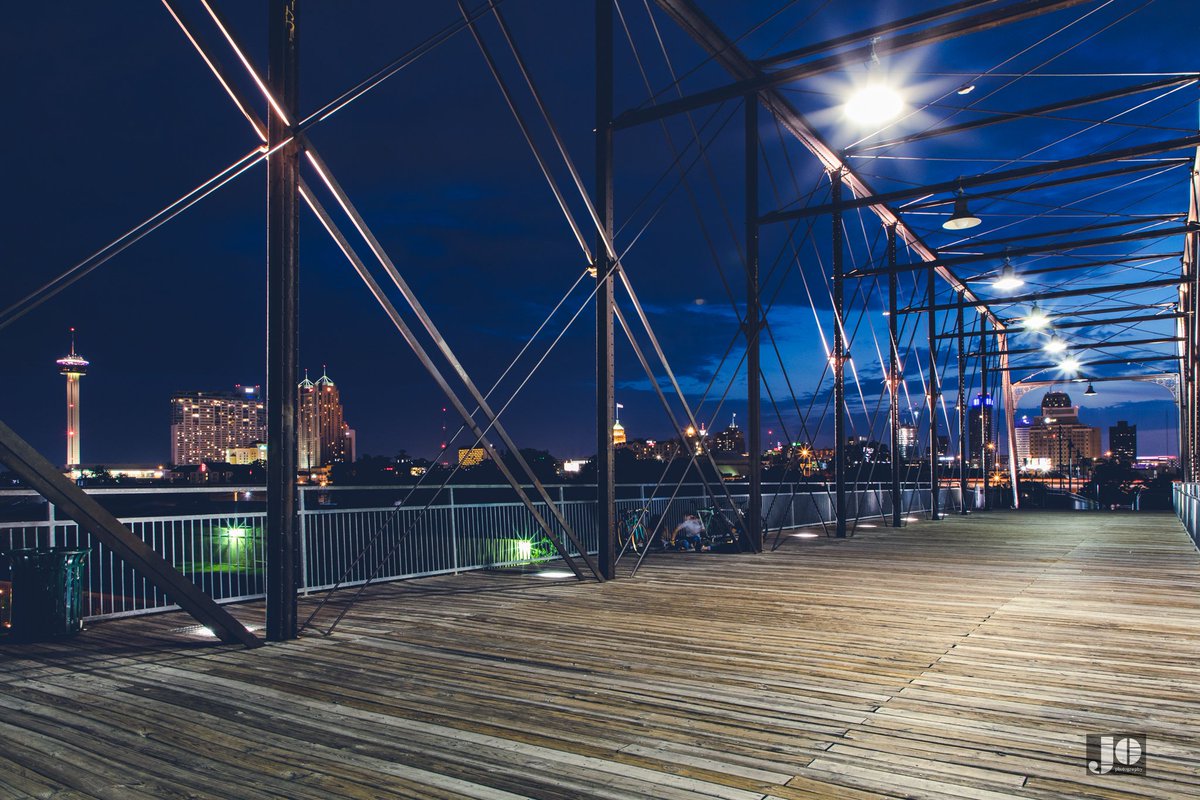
(876, 102)
(1055, 345)
(1091, 389)
(962, 218)
(1008, 279)
(1036, 320)
(1069, 364)
(966, 88)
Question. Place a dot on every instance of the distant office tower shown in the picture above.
(1122, 441)
(979, 425)
(74, 366)
(1057, 438)
(1021, 433)
(324, 437)
(730, 440)
(909, 444)
(206, 425)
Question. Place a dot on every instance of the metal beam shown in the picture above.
(985, 420)
(1090, 323)
(1010, 427)
(878, 30)
(1008, 191)
(605, 264)
(987, 20)
(1049, 108)
(1026, 298)
(935, 394)
(964, 450)
(1109, 262)
(971, 181)
(1097, 345)
(1016, 252)
(1074, 229)
(1100, 363)
(839, 361)
(36, 472)
(894, 379)
(725, 52)
(283, 321)
(753, 324)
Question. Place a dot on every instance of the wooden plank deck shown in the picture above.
(962, 659)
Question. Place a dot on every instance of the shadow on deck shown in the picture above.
(967, 658)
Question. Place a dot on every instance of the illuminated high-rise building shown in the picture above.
(618, 430)
(74, 366)
(324, 437)
(206, 425)
(980, 425)
(730, 440)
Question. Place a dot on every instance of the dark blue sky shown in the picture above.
(113, 116)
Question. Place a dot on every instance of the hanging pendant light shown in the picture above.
(1091, 389)
(962, 218)
(1008, 278)
(876, 102)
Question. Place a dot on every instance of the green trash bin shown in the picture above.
(47, 592)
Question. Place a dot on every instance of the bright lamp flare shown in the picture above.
(1008, 279)
(1069, 365)
(874, 103)
(1036, 320)
(1055, 346)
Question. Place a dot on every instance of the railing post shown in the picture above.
(454, 529)
(52, 539)
(302, 532)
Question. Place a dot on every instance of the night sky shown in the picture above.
(112, 116)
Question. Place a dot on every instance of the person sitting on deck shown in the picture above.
(691, 529)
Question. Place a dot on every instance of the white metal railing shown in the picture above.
(1186, 499)
(351, 534)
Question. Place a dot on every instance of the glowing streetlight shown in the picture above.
(876, 102)
(1008, 279)
(1055, 345)
(1036, 319)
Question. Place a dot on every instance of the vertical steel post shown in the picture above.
(894, 375)
(1009, 397)
(985, 433)
(964, 438)
(283, 246)
(934, 395)
(839, 362)
(753, 324)
(606, 500)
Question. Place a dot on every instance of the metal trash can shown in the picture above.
(47, 592)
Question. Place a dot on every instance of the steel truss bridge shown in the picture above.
(866, 239)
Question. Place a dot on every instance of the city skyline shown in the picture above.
(512, 268)
(1108, 418)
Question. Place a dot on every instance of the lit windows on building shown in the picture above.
(471, 456)
(206, 425)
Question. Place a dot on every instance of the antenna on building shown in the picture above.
(734, 423)
(443, 451)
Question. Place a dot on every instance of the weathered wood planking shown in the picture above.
(962, 659)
